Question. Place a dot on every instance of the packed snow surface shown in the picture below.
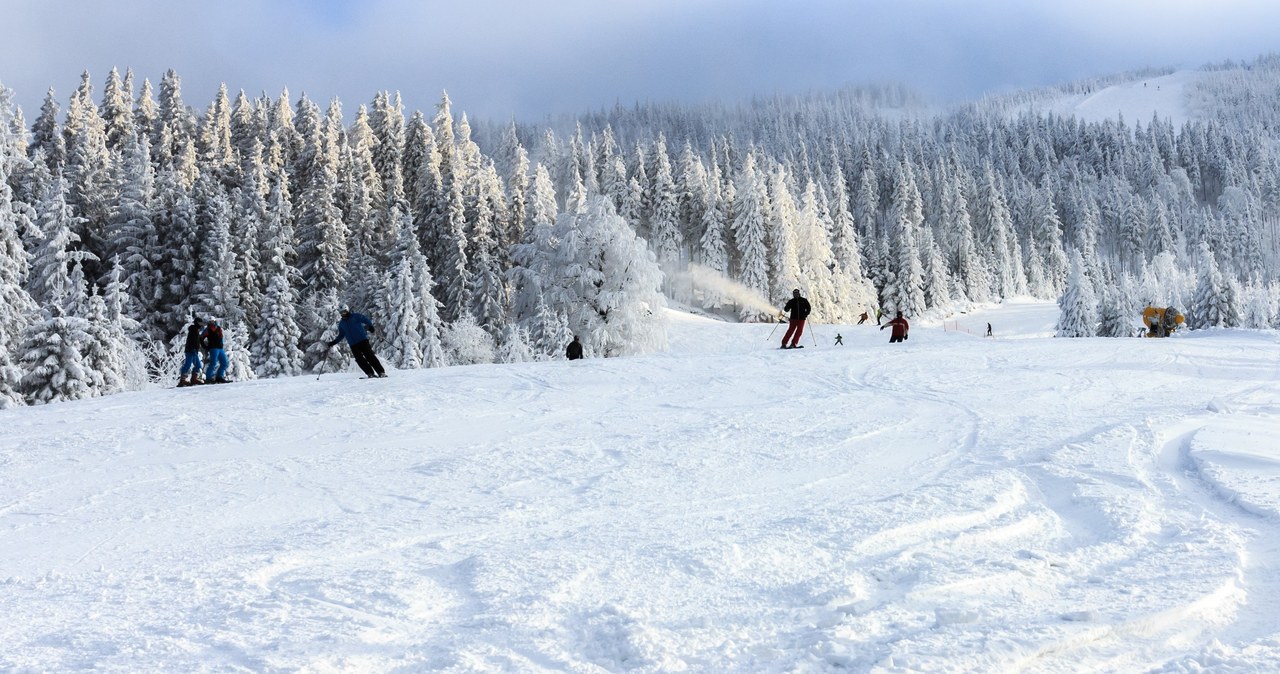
(951, 504)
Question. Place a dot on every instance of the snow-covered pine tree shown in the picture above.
(275, 351)
(994, 229)
(906, 291)
(549, 332)
(1216, 302)
(322, 234)
(239, 359)
(131, 234)
(609, 284)
(1049, 253)
(1260, 305)
(664, 221)
(403, 344)
(1078, 304)
(53, 366)
(46, 136)
(17, 309)
(713, 251)
(181, 242)
(108, 350)
(51, 260)
(531, 257)
(10, 373)
(117, 109)
(217, 292)
(751, 209)
(937, 285)
(813, 252)
(485, 254)
(783, 238)
(1116, 314)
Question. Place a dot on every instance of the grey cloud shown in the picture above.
(502, 58)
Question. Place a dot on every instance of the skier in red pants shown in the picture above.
(799, 308)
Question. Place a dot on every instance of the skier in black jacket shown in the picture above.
(799, 308)
(574, 350)
(191, 363)
(211, 337)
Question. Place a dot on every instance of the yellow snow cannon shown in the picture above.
(1162, 321)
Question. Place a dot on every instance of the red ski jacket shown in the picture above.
(900, 327)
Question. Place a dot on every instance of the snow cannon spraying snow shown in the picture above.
(1162, 321)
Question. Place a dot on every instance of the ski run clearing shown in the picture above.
(951, 504)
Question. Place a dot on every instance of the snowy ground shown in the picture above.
(1137, 101)
(953, 504)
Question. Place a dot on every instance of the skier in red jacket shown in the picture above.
(900, 327)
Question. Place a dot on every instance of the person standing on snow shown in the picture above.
(191, 361)
(900, 328)
(989, 330)
(799, 308)
(879, 313)
(574, 350)
(216, 371)
(353, 327)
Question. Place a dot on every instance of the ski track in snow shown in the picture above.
(952, 503)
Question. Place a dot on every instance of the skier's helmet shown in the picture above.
(796, 292)
(344, 312)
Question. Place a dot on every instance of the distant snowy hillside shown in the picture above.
(1136, 100)
(950, 504)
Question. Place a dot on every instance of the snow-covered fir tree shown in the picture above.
(1216, 302)
(52, 364)
(609, 287)
(275, 350)
(1078, 304)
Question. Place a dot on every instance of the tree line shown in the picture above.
(130, 212)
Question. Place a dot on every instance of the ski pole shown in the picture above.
(323, 359)
(813, 335)
(775, 329)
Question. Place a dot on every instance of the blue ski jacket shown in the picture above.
(352, 328)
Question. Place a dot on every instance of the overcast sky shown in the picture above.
(528, 58)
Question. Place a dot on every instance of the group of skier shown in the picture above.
(207, 337)
(798, 307)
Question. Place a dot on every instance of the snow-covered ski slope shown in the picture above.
(1136, 100)
(951, 504)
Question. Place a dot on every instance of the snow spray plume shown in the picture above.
(707, 280)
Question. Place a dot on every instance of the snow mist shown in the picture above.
(709, 281)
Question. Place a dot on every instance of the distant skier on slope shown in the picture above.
(863, 318)
(989, 330)
(900, 328)
(191, 353)
(799, 309)
(355, 328)
(211, 337)
(574, 350)
(839, 339)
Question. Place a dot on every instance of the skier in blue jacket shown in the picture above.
(355, 328)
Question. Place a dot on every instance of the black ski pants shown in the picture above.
(367, 359)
